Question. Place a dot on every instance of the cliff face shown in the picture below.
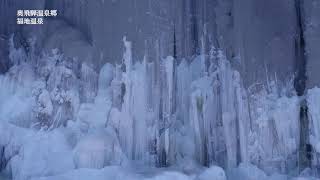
(311, 27)
(260, 35)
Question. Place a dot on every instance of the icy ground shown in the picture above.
(163, 120)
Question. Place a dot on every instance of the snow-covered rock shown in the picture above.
(110, 172)
(278, 177)
(170, 176)
(41, 154)
(99, 149)
(247, 172)
(213, 173)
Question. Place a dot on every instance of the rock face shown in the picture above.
(312, 40)
(259, 35)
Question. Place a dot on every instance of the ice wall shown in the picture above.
(226, 124)
(156, 113)
(227, 106)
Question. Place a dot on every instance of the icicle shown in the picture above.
(118, 89)
(228, 110)
(126, 127)
(139, 106)
(89, 83)
(242, 119)
(133, 123)
(127, 56)
(171, 74)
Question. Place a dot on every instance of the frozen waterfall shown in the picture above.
(161, 90)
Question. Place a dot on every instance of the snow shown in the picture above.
(116, 173)
(15, 92)
(110, 172)
(243, 172)
(45, 155)
(33, 154)
(247, 172)
(99, 150)
(170, 176)
(214, 172)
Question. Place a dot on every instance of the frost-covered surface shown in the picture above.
(274, 139)
(62, 118)
(313, 98)
(314, 110)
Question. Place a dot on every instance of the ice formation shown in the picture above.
(152, 90)
(75, 121)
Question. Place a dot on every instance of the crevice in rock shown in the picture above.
(3, 161)
(300, 87)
